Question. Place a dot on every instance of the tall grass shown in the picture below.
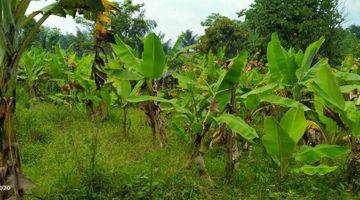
(70, 156)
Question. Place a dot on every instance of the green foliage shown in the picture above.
(152, 64)
(125, 54)
(312, 155)
(238, 125)
(298, 23)
(124, 75)
(123, 89)
(278, 143)
(130, 169)
(91, 4)
(187, 38)
(131, 25)
(289, 67)
(308, 58)
(326, 86)
(315, 170)
(153, 58)
(90, 160)
(281, 101)
(127, 67)
(231, 79)
(280, 65)
(222, 32)
(294, 123)
(232, 76)
(31, 69)
(137, 99)
(355, 29)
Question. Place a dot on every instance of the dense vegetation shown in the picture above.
(264, 108)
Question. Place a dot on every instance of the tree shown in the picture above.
(298, 22)
(165, 43)
(130, 23)
(188, 38)
(355, 29)
(80, 43)
(222, 32)
(49, 37)
(13, 44)
(146, 70)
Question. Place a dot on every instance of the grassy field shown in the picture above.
(68, 155)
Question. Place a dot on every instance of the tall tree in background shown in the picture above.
(188, 38)
(128, 22)
(298, 23)
(81, 42)
(166, 44)
(49, 37)
(355, 29)
(131, 25)
(222, 32)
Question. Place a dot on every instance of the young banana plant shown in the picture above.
(289, 75)
(227, 96)
(124, 92)
(344, 114)
(280, 142)
(294, 73)
(12, 46)
(31, 68)
(150, 67)
(209, 104)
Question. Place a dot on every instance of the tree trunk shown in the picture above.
(232, 153)
(10, 160)
(159, 120)
(354, 165)
(231, 141)
(197, 154)
(198, 150)
(148, 109)
(124, 122)
(155, 113)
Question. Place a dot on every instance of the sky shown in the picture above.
(175, 16)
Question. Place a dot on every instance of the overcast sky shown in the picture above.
(175, 16)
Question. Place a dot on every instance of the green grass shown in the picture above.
(58, 145)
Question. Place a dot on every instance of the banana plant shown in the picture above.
(287, 84)
(74, 86)
(124, 93)
(289, 68)
(13, 44)
(289, 71)
(150, 67)
(280, 142)
(344, 114)
(31, 68)
(208, 104)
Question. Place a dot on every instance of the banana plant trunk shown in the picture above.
(198, 150)
(156, 116)
(10, 160)
(124, 122)
(354, 165)
(231, 141)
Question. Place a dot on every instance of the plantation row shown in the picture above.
(304, 112)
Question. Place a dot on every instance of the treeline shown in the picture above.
(297, 22)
